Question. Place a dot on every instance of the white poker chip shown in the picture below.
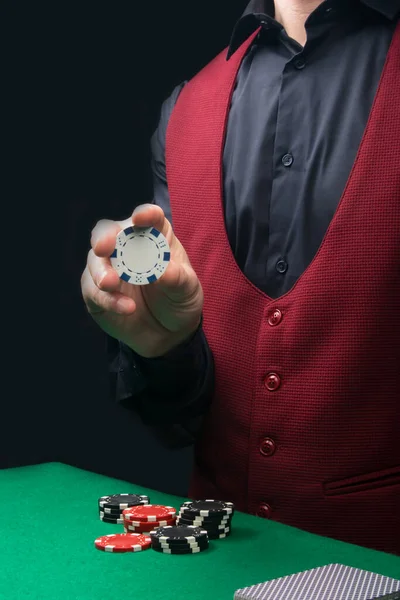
(141, 255)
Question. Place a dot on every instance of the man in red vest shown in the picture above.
(272, 341)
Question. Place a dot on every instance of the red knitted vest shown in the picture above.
(305, 421)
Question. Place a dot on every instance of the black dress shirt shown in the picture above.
(296, 121)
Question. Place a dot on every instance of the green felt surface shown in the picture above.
(49, 521)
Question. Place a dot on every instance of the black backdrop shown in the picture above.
(86, 86)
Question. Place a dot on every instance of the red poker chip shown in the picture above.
(149, 512)
(139, 523)
(147, 526)
(123, 542)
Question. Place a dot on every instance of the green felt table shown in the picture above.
(49, 520)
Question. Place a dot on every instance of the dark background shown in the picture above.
(85, 84)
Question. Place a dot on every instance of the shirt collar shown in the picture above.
(256, 9)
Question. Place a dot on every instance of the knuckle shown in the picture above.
(96, 301)
(100, 277)
(103, 301)
(99, 224)
(91, 259)
(101, 228)
(83, 286)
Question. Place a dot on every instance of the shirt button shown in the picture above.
(267, 447)
(281, 266)
(272, 382)
(299, 63)
(264, 511)
(287, 160)
(275, 317)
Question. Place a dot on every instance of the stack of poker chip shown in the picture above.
(179, 539)
(214, 516)
(146, 517)
(111, 507)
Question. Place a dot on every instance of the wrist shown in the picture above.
(173, 343)
(178, 346)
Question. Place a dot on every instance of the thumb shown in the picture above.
(179, 282)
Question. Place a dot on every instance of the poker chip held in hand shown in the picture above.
(141, 255)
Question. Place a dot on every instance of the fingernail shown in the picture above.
(141, 208)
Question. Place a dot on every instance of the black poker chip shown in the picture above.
(121, 501)
(216, 532)
(219, 535)
(203, 523)
(112, 520)
(175, 533)
(218, 529)
(110, 516)
(180, 550)
(212, 517)
(180, 544)
(208, 508)
(207, 527)
(111, 511)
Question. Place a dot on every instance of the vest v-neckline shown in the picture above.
(353, 176)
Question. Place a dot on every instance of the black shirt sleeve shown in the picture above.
(172, 393)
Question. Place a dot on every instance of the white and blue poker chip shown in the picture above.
(141, 255)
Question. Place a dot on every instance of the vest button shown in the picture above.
(275, 317)
(287, 160)
(264, 511)
(267, 447)
(272, 382)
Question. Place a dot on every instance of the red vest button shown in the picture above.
(272, 382)
(275, 317)
(267, 447)
(264, 511)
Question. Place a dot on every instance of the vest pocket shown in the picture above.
(361, 483)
